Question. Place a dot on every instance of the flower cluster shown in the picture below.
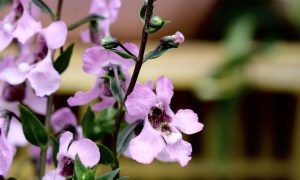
(119, 105)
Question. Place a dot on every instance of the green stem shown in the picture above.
(47, 127)
(137, 68)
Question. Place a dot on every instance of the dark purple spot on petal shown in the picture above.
(13, 93)
(68, 168)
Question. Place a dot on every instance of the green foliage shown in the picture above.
(125, 136)
(124, 54)
(62, 62)
(96, 127)
(81, 172)
(34, 130)
(107, 157)
(109, 175)
(160, 50)
(55, 145)
(87, 19)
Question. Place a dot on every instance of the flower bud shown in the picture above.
(109, 42)
(156, 22)
(173, 40)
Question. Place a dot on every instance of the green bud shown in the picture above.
(109, 42)
(156, 22)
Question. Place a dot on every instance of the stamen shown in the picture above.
(68, 168)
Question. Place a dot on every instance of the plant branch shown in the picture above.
(137, 68)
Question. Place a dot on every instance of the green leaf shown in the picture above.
(55, 146)
(81, 172)
(109, 175)
(107, 157)
(100, 125)
(87, 19)
(125, 136)
(123, 54)
(45, 8)
(88, 123)
(62, 62)
(34, 130)
(157, 52)
(143, 12)
(116, 90)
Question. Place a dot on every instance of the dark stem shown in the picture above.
(59, 8)
(137, 68)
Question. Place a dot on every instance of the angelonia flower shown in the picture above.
(18, 24)
(6, 150)
(62, 120)
(37, 67)
(109, 9)
(161, 136)
(100, 62)
(86, 149)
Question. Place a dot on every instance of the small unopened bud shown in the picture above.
(173, 40)
(109, 42)
(156, 22)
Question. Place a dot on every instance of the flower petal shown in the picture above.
(26, 27)
(104, 103)
(81, 98)
(55, 34)
(6, 154)
(37, 104)
(94, 59)
(180, 151)
(140, 101)
(87, 151)
(44, 79)
(164, 90)
(146, 146)
(12, 75)
(61, 118)
(187, 121)
(64, 142)
(15, 135)
(53, 175)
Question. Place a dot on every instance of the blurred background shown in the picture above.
(239, 70)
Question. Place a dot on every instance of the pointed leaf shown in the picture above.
(123, 54)
(55, 146)
(107, 157)
(81, 172)
(116, 90)
(34, 130)
(45, 8)
(88, 19)
(157, 52)
(88, 123)
(125, 136)
(143, 12)
(62, 62)
(109, 175)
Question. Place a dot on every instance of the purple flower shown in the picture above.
(109, 10)
(62, 120)
(98, 61)
(86, 149)
(37, 67)
(53, 175)
(6, 150)
(179, 38)
(44, 79)
(18, 24)
(160, 137)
